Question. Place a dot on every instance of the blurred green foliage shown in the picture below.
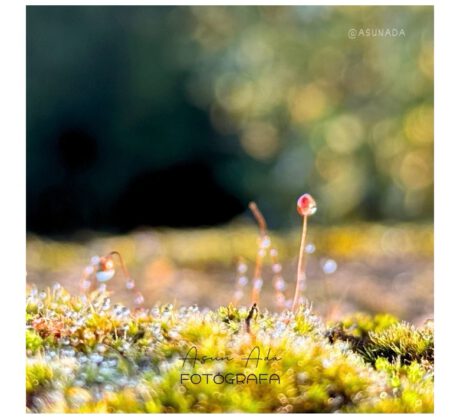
(275, 100)
(351, 121)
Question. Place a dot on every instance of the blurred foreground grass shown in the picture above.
(379, 267)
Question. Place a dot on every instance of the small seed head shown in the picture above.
(306, 205)
(105, 269)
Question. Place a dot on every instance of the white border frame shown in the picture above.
(12, 178)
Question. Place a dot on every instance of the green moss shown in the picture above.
(38, 376)
(400, 342)
(102, 358)
(33, 342)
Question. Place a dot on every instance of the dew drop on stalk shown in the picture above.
(262, 252)
(242, 268)
(265, 242)
(277, 268)
(258, 283)
(280, 284)
(243, 281)
(139, 299)
(89, 270)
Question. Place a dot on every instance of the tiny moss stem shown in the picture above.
(122, 263)
(301, 276)
(255, 296)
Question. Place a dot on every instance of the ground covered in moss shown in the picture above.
(86, 354)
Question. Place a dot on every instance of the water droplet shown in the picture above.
(277, 268)
(310, 248)
(101, 348)
(106, 275)
(106, 304)
(88, 270)
(68, 352)
(265, 242)
(139, 299)
(258, 283)
(280, 284)
(329, 266)
(243, 281)
(242, 268)
(273, 252)
(102, 288)
(88, 335)
(96, 358)
(327, 363)
(130, 284)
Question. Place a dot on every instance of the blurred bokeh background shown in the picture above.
(147, 119)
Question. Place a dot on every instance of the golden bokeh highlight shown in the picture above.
(307, 103)
(260, 140)
(418, 125)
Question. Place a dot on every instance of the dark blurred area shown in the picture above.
(178, 116)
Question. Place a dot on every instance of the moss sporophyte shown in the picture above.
(306, 206)
(85, 354)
